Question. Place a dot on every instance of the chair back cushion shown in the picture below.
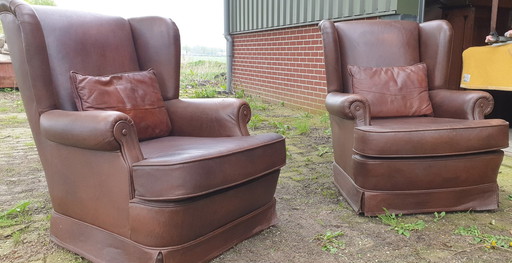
(88, 43)
(380, 43)
(393, 91)
(377, 44)
(135, 93)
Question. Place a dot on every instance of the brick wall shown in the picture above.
(284, 65)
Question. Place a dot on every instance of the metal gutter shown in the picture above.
(229, 47)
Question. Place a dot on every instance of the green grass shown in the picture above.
(302, 127)
(400, 227)
(487, 240)
(322, 150)
(240, 94)
(188, 59)
(255, 103)
(329, 193)
(330, 241)
(12, 120)
(13, 103)
(15, 215)
(202, 79)
(205, 93)
(439, 216)
(281, 128)
(255, 122)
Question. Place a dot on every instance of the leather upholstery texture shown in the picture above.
(119, 192)
(135, 93)
(393, 91)
(446, 159)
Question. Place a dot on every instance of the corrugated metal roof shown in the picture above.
(255, 15)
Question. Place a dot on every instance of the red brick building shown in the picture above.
(276, 45)
(276, 48)
(283, 65)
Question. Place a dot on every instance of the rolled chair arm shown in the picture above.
(219, 117)
(349, 106)
(461, 104)
(94, 130)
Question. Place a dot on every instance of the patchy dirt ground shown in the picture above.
(309, 206)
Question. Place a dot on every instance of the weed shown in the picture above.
(256, 105)
(303, 123)
(330, 242)
(322, 150)
(401, 228)
(78, 259)
(12, 120)
(325, 118)
(468, 231)
(16, 237)
(298, 178)
(240, 94)
(281, 128)
(289, 154)
(19, 106)
(205, 93)
(489, 241)
(8, 90)
(30, 144)
(203, 75)
(15, 215)
(324, 175)
(329, 193)
(439, 216)
(509, 197)
(255, 121)
(307, 115)
(303, 127)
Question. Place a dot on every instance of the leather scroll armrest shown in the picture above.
(219, 117)
(349, 106)
(94, 130)
(461, 104)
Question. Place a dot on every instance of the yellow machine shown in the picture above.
(487, 67)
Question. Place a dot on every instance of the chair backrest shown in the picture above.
(384, 43)
(46, 43)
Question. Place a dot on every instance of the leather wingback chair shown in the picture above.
(400, 156)
(186, 196)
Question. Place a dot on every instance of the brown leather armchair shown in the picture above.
(186, 194)
(402, 139)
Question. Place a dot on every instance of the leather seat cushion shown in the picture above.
(427, 136)
(427, 173)
(200, 165)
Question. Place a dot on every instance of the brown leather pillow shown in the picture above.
(393, 91)
(135, 93)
